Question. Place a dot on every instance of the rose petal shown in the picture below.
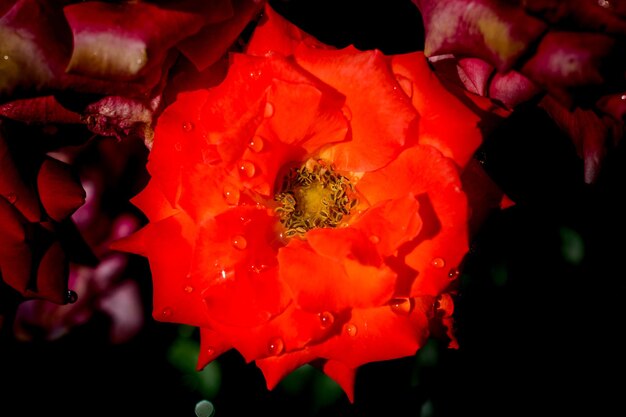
(368, 83)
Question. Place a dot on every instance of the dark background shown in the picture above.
(539, 315)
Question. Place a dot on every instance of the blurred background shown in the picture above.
(539, 314)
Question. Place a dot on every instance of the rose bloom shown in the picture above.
(310, 208)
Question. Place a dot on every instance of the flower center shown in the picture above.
(314, 195)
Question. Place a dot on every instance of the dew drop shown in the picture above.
(188, 126)
(402, 306)
(231, 194)
(239, 242)
(247, 168)
(178, 146)
(326, 319)
(256, 144)
(623, 96)
(11, 197)
(347, 113)
(188, 289)
(453, 273)
(166, 312)
(224, 274)
(438, 263)
(374, 239)
(210, 351)
(269, 110)
(351, 330)
(275, 346)
(71, 297)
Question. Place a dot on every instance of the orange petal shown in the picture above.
(180, 142)
(377, 334)
(443, 239)
(391, 223)
(381, 115)
(176, 295)
(446, 122)
(333, 283)
(152, 202)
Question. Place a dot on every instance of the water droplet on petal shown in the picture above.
(247, 168)
(269, 110)
(275, 346)
(231, 194)
(374, 239)
(256, 143)
(71, 297)
(11, 197)
(402, 305)
(406, 85)
(166, 313)
(453, 273)
(178, 146)
(188, 126)
(326, 319)
(239, 242)
(188, 289)
(347, 113)
(351, 329)
(438, 263)
(210, 351)
(224, 274)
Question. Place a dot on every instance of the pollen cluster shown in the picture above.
(313, 196)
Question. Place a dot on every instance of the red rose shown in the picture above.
(310, 208)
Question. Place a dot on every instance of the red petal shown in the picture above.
(39, 109)
(275, 368)
(391, 223)
(180, 137)
(13, 187)
(59, 188)
(145, 30)
(378, 334)
(445, 122)
(15, 255)
(275, 34)
(212, 345)
(443, 239)
(331, 281)
(381, 115)
(207, 46)
(236, 266)
(36, 46)
(343, 375)
(152, 202)
(176, 295)
(288, 332)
